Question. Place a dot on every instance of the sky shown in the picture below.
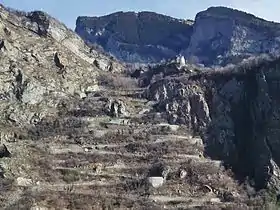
(68, 10)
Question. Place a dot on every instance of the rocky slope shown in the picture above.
(74, 138)
(77, 134)
(236, 112)
(42, 62)
(218, 36)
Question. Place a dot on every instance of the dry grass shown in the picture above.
(74, 200)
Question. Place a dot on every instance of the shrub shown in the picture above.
(70, 175)
(117, 81)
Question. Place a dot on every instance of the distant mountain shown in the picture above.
(218, 36)
(137, 37)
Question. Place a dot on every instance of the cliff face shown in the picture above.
(237, 113)
(136, 37)
(222, 35)
(218, 36)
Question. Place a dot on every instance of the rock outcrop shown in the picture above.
(218, 36)
(235, 110)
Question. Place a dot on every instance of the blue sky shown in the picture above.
(68, 10)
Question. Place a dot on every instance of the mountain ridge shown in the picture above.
(126, 31)
(217, 36)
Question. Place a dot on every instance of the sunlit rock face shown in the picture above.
(222, 35)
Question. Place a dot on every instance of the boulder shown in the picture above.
(37, 207)
(156, 182)
(33, 93)
(40, 22)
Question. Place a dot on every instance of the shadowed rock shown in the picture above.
(159, 169)
(58, 62)
(2, 44)
(4, 152)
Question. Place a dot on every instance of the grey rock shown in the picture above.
(104, 65)
(37, 207)
(169, 127)
(222, 35)
(33, 93)
(182, 174)
(40, 22)
(190, 107)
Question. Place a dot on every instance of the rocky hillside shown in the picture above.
(235, 110)
(218, 36)
(74, 136)
(76, 133)
(42, 62)
(136, 37)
